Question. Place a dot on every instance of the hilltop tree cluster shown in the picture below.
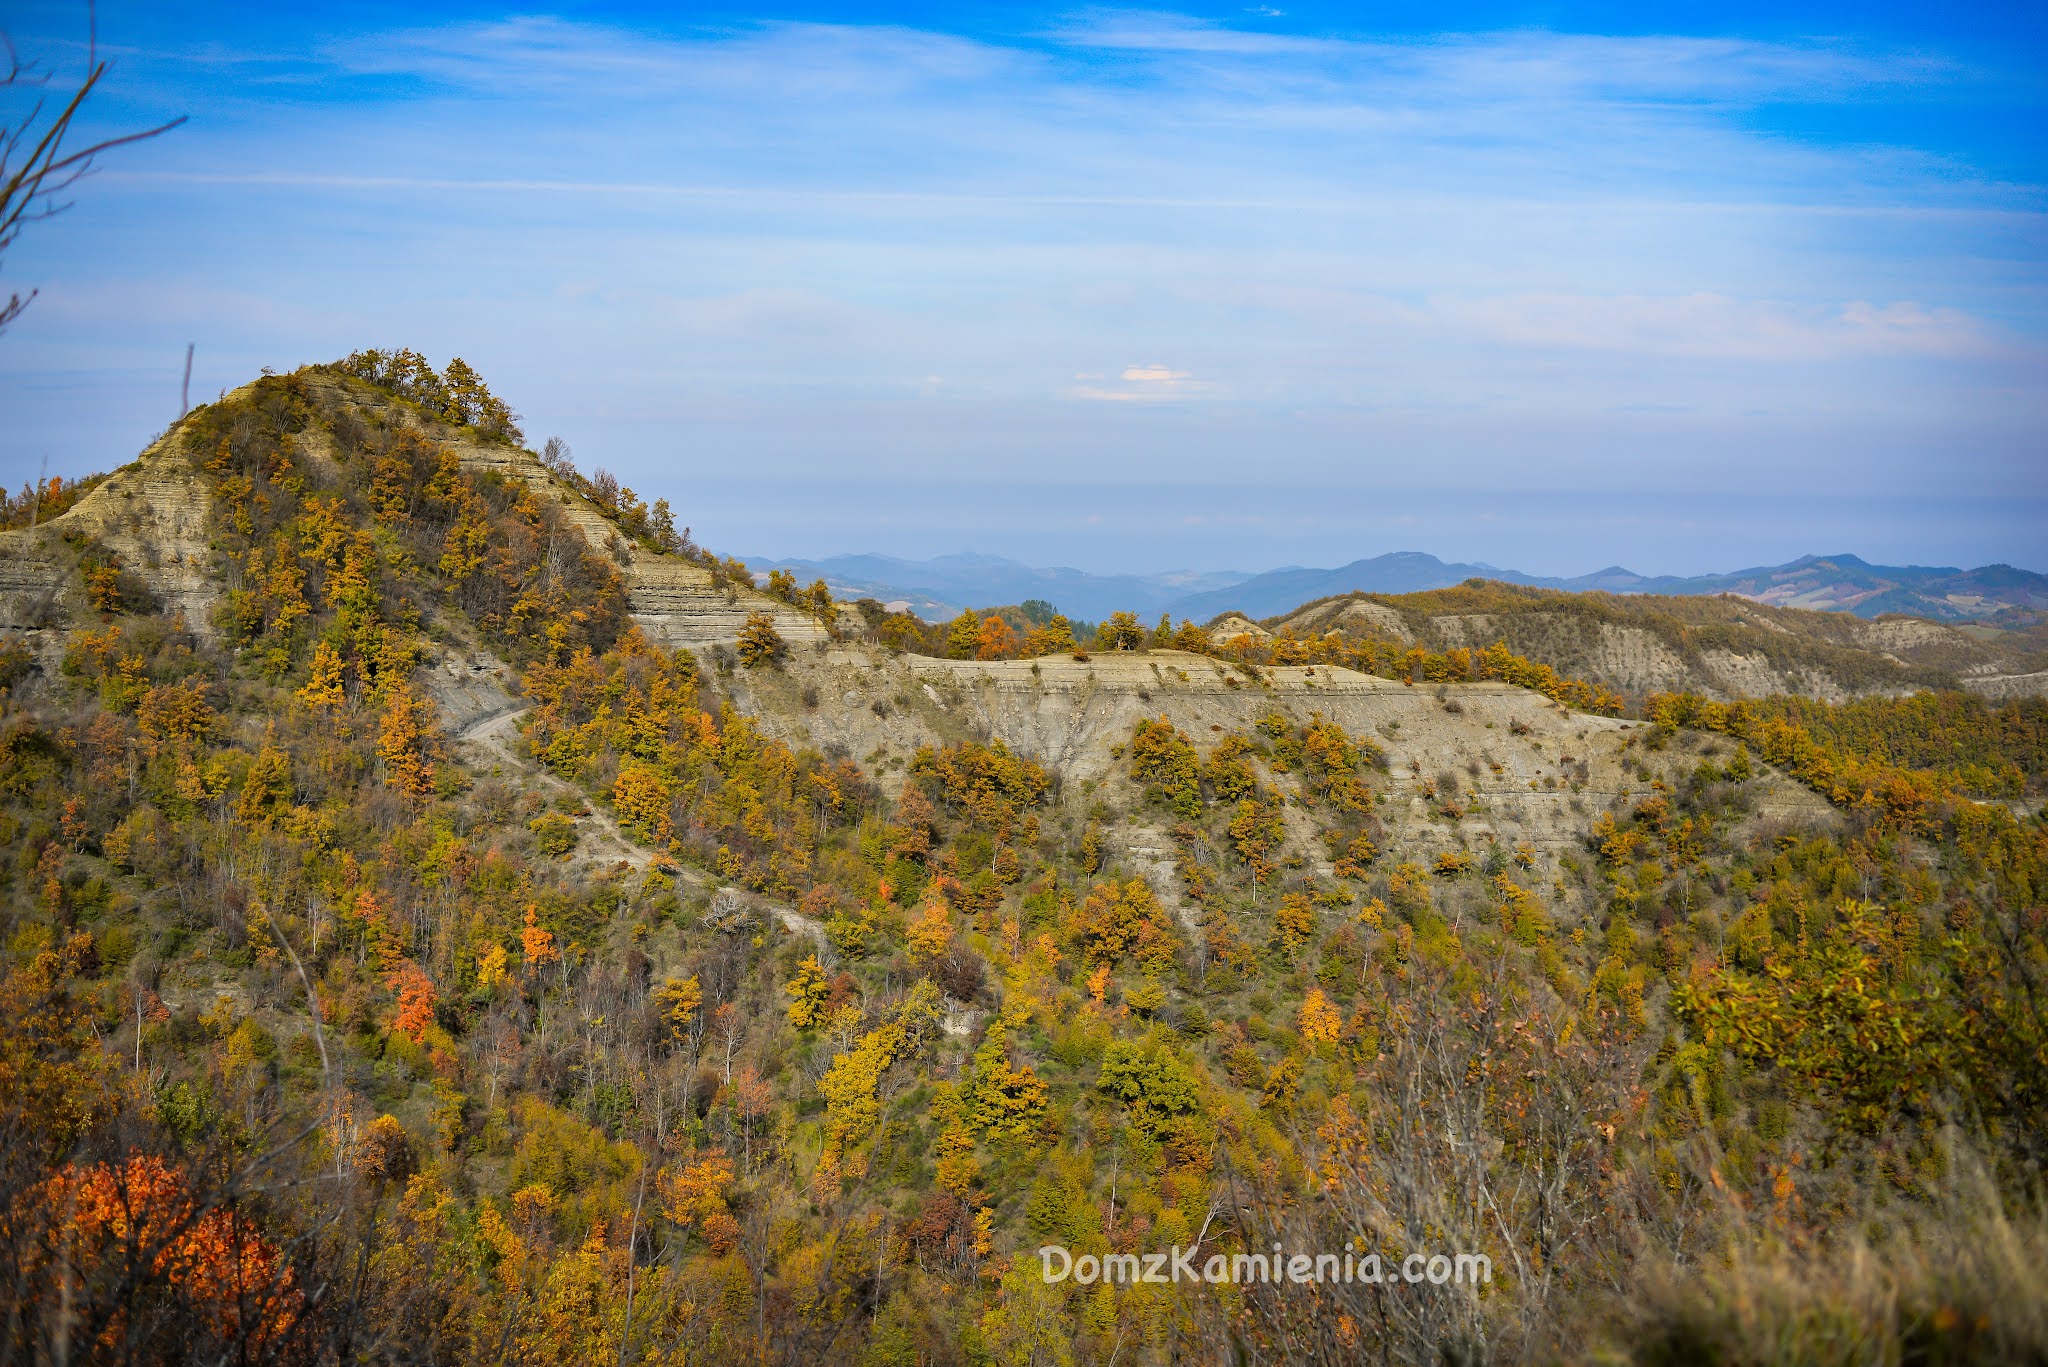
(456, 395)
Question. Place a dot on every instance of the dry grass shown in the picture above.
(1960, 1283)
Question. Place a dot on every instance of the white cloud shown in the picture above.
(1147, 384)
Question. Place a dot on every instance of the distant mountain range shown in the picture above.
(1826, 583)
(940, 588)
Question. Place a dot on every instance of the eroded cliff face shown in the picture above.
(152, 513)
(1833, 656)
(2006, 687)
(1539, 773)
(36, 570)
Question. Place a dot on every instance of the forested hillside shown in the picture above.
(449, 916)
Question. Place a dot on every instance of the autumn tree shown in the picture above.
(963, 636)
(1295, 921)
(760, 643)
(408, 743)
(1003, 1101)
(678, 1002)
(931, 935)
(1122, 631)
(145, 1214)
(537, 943)
(808, 992)
(693, 1195)
(1320, 1024)
(1123, 919)
(818, 598)
(995, 640)
(1257, 830)
(416, 996)
(1164, 761)
(1054, 636)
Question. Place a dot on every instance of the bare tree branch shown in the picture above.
(35, 168)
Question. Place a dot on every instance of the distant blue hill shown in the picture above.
(1280, 591)
(940, 588)
(1828, 583)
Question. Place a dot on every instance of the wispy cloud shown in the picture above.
(1494, 68)
(1716, 326)
(814, 63)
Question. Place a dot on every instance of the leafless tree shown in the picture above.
(1492, 1137)
(36, 168)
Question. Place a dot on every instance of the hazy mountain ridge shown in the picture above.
(1827, 583)
(1283, 590)
(942, 586)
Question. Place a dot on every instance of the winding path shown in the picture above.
(492, 732)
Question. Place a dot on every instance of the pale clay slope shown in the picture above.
(1072, 716)
(1627, 658)
(1636, 660)
(152, 513)
(2006, 687)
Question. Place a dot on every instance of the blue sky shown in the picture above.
(1551, 286)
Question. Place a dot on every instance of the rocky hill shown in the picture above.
(153, 517)
(1722, 647)
(152, 522)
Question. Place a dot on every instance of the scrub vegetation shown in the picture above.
(319, 1041)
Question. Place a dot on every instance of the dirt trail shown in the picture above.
(605, 841)
(601, 840)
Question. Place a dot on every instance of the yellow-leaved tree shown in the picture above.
(760, 643)
(1320, 1024)
(808, 993)
(407, 742)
